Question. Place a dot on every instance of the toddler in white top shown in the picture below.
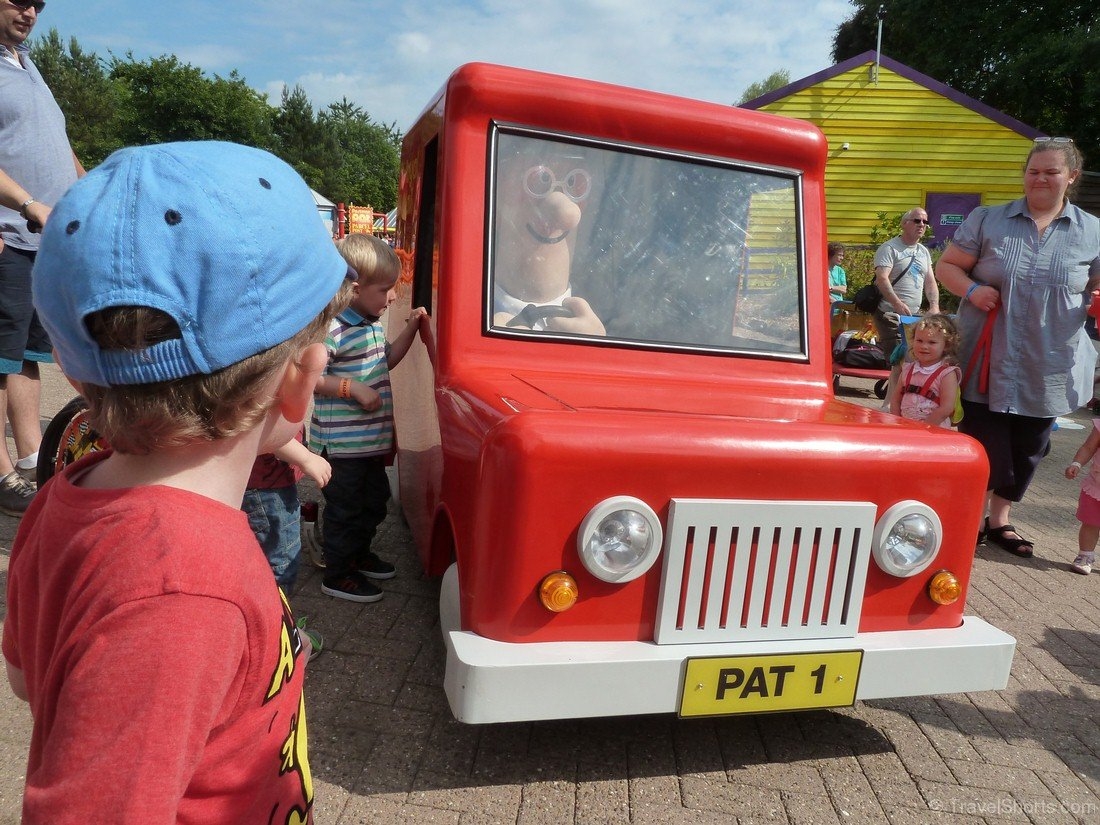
(929, 381)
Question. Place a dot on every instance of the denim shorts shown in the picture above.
(22, 337)
(275, 517)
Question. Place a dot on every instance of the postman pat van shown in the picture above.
(619, 444)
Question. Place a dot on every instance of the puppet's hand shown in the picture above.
(504, 319)
(583, 321)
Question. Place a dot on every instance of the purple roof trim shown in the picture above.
(929, 83)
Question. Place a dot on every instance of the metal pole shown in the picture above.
(878, 45)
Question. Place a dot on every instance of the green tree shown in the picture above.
(84, 92)
(1038, 61)
(776, 80)
(341, 151)
(303, 142)
(162, 99)
(369, 157)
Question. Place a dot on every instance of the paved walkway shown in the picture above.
(385, 749)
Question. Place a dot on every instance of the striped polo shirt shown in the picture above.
(357, 350)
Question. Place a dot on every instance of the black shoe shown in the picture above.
(352, 587)
(374, 567)
(16, 494)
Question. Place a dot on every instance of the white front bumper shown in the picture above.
(489, 681)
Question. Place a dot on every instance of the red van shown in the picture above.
(619, 444)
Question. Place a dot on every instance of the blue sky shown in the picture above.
(390, 58)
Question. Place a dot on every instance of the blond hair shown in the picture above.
(138, 419)
(373, 260)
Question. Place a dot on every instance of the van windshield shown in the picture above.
(641, 248)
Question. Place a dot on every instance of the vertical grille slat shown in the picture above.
(797, 610)
(716, 599)
(749, 570)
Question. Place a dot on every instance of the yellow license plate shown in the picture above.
(761, 684)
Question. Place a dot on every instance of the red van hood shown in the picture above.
(773, 401)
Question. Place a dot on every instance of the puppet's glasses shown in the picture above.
(540, 182)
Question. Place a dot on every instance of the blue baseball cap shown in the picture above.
(225, 239)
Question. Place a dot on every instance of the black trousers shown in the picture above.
(355, 504)
(1015, 444)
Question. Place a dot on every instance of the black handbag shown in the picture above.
(867, 298)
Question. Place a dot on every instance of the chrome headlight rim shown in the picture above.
(885, 526)
(598, 514)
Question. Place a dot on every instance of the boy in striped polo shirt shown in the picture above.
(352, 421)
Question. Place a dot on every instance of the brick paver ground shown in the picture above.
(385, 748)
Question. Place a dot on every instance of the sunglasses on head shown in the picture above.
(1055, 141)
(37, 5)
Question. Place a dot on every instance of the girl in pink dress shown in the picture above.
(929, 380)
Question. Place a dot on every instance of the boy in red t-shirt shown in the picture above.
(186, 288)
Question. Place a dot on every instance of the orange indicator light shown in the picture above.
(558, 591)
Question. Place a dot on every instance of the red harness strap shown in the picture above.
(981, 354)
(926, 388)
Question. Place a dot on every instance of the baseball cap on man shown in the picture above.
(225, 239)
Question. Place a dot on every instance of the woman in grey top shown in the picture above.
(1032, 264)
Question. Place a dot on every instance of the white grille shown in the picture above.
(761, 571)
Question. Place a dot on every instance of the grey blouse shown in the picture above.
(1042, 361)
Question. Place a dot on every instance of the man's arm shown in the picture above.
(13, 196)
(882, 279)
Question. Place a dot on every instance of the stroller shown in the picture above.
(853, 353)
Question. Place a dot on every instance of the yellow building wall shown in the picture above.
(904, 142)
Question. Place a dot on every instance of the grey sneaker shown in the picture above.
(16, 494)
(28, 468)
(1083, 563)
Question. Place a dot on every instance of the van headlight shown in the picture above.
(619, 539)
(907, 538)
